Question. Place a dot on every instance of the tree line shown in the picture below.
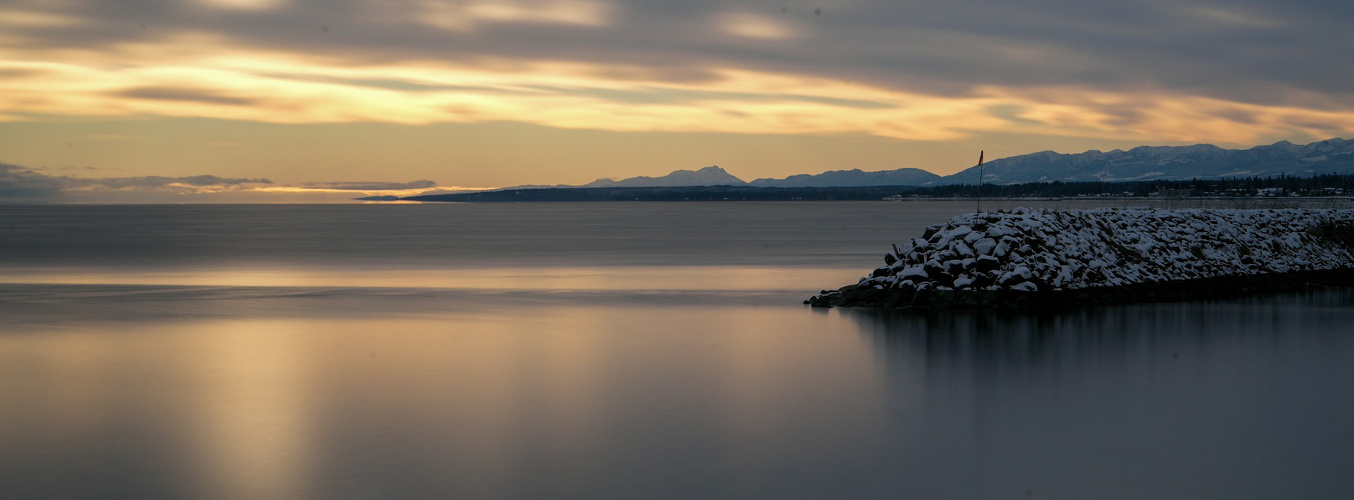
(1314, 185)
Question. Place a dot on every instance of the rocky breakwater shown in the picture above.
(1045, 258)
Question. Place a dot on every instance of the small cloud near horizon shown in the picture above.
(23, 184)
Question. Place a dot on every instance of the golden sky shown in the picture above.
(481, 93)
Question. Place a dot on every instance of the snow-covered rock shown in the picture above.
(1042, 250)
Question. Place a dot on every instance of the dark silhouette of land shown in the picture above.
(1275, 186)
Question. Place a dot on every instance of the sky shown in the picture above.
(252, 100)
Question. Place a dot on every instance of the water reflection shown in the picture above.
(1235, 399)
(248, 410)
(562, 401)
(1016, 344)
(323, 393)
(618, 351)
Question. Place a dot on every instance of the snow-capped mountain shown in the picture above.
(855, 177)
(716, 176)
(1202, 161)
(1167, 162)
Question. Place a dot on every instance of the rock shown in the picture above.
(1033, 258)
(912, 272)
(933, 269)
(982, 281)
(984, 246)
(963, 281)
(955, 267)
(1003, 248)
(964, 250)
(1011, 279)
(986, 263)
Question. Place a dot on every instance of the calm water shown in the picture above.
(618, 351)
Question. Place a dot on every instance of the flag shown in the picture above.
(980, 157)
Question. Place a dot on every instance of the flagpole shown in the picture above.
(980, 180)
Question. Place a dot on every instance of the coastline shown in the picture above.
(1209, 288)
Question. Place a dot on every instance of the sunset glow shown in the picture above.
(831, 71)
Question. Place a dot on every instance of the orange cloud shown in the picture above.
(200, 75)
(756, 26)
(255, 5)
(461, 16)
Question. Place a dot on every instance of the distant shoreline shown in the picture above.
(1335, 188)
(685, 193)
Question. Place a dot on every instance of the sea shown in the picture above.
(620, 350)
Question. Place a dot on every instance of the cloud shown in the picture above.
(191, 183)
(755, 26)
(468, 15)
(258, 5)
(19, 183)
(372, 186)
(22, 184)
(185, 94)
(929, 72)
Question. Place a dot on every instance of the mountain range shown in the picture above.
(708, 176)
(1202, 161)
(854, 178)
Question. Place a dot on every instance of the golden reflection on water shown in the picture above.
(524, 278)
(67, 375)
(298, 407)
(251, 407)
(583, 401)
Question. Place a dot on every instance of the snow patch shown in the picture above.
(1028, 250)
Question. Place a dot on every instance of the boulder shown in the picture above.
(1024, 257)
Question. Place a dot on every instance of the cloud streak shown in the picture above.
(185, 95)
(1149, 70)
(20, 184)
